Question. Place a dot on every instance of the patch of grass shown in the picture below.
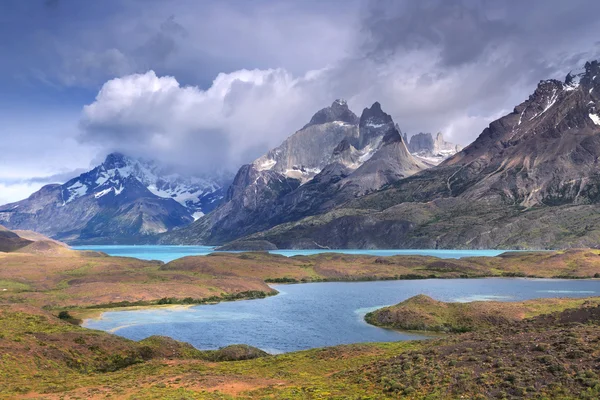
(13, 286)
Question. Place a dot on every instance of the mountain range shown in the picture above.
(122, 200)
(530, 180)
(336, 157)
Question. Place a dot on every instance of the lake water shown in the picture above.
(170, 253)
(312, 315)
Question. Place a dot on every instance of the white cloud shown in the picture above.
(240, 116)
(10, 192)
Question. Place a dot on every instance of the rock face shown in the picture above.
(334, 158)
(430, 150)
(121, 200)
(530, 180)
(306, 152)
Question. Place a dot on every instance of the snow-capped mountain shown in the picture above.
(198, 195)
(121, 200)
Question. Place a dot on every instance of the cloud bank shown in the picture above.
(239, 117)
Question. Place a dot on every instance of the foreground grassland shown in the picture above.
(549, 356)
(540, 349)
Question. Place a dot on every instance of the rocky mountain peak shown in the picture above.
(374, 124)
(337, 112)
(115, 160)
(545, 152)
(374, 115)
(392, 136)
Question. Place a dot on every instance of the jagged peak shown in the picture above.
(592, 67)
(337, 112)
(374, 116)
(115, 160)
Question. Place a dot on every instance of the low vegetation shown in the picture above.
(423, 313)
(536, 349)
(545, 357)
(69, 280)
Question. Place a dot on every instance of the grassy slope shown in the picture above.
(44, 357)
(547, 357)
(426, 314)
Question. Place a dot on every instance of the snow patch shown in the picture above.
(198, 214)
(103, 193)
(372, 125)
(266, 165)
(595, 118)
(76, 190)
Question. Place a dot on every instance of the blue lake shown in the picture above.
(170, 253)
(312, 315)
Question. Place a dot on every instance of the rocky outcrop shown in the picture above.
(307, 152)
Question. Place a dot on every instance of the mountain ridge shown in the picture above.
(122, 199)
(359, 160)
(528, 181)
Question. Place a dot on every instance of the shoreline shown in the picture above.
(96, 312)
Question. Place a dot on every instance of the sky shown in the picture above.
(209, 85)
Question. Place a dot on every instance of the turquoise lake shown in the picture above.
(170, 253)
(313, 315)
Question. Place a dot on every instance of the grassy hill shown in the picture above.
(423, 313)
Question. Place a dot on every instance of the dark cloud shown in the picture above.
(442, 62)
(463, 30)
(161, 45)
